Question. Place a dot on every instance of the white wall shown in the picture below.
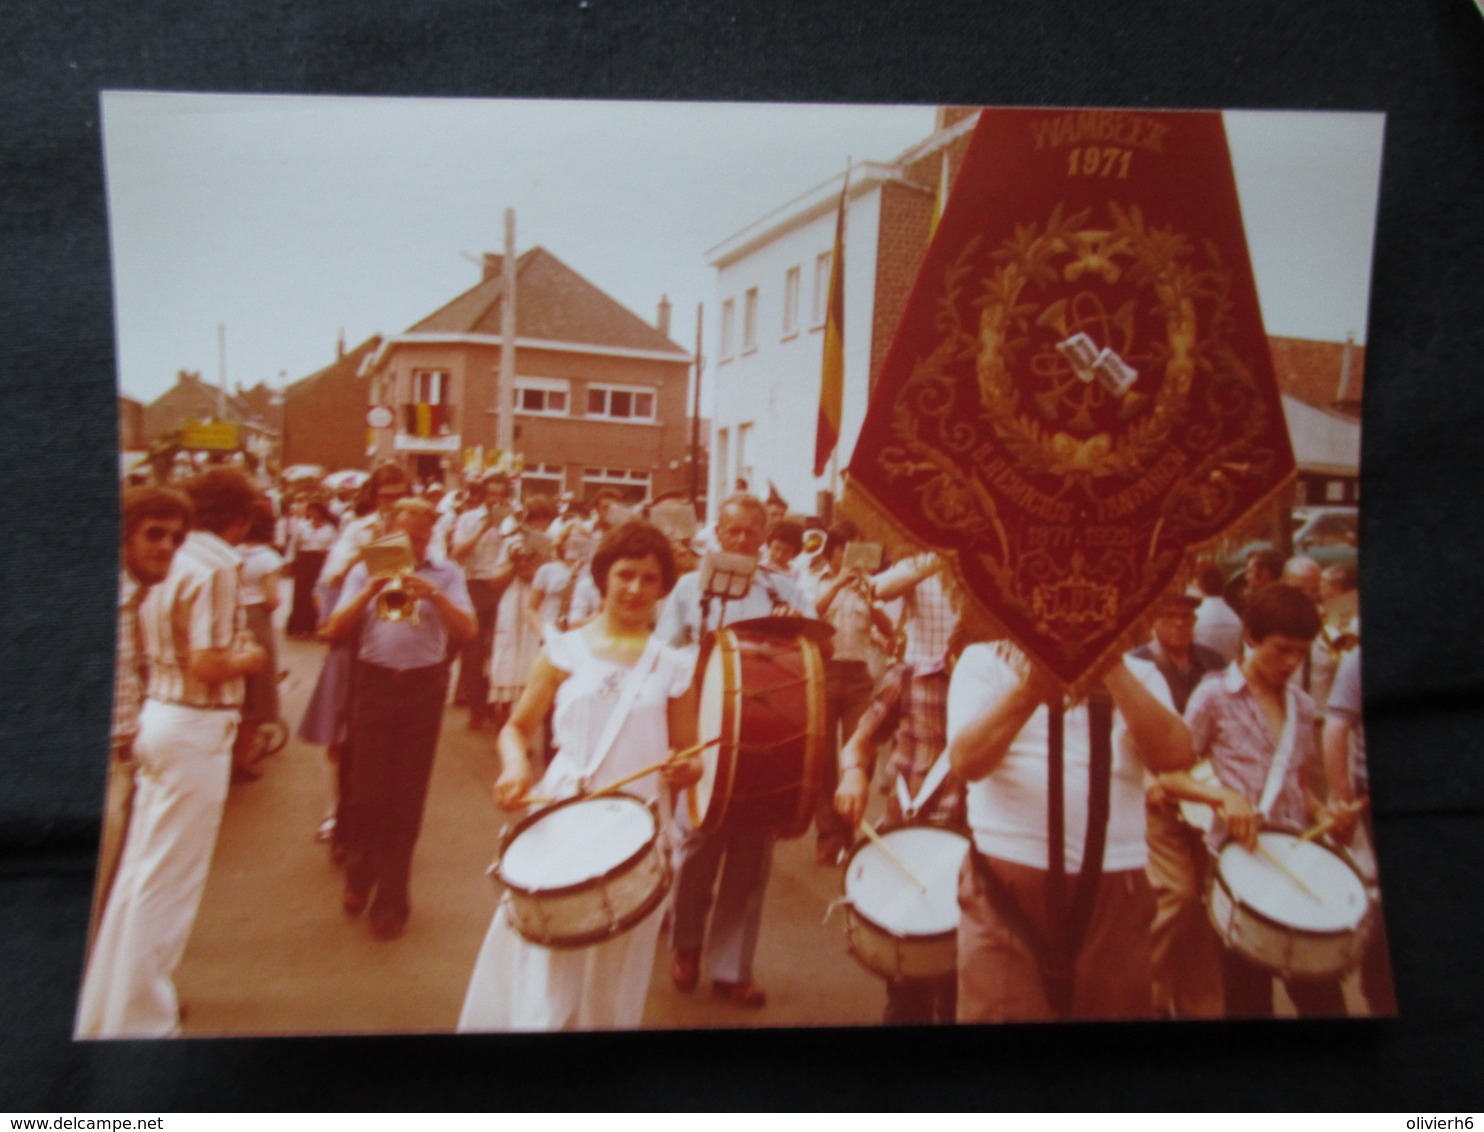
(777, 386)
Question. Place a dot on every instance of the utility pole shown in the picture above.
(221, 360)
(695, 417)
(505, 397)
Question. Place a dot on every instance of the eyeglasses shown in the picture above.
(160, 534)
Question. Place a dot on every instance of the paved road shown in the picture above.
(272, 953)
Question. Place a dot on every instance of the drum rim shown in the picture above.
(566, 889)
(729, 641)
(1312, 933)
(851, 908)
(620, 927)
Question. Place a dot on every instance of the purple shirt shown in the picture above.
(401, 644)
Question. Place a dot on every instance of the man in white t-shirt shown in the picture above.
(1025, 953)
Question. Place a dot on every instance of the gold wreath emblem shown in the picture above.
(1065, 249)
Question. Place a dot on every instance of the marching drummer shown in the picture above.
(1257, 729)
(621, 696)
(736, 916)
(1052, 931)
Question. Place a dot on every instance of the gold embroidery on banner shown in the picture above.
(1084, 377)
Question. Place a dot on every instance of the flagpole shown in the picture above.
(832, 373)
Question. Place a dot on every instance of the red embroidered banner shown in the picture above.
(1079, 392)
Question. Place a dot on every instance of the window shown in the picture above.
(749, 321)
(620, 402)
(542, 479)
(548, 396)
(821, 288)
(728, 318)
(723, 462)
(429, 386)
(744, 469)
(791, 302)
(633, 487)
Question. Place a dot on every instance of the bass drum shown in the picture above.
(1260, 912)
(894, 928)
(583, 871)
(762, 708)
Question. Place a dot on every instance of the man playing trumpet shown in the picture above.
(398, 685)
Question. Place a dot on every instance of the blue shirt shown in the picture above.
(401, 644)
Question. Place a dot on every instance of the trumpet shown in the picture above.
(394, 604)
(814, 540)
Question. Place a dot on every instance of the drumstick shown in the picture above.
(1322, 827)
(876, 839)
(1289, 873)
(638, 774)
(676, 757)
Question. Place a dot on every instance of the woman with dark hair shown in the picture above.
(622, 699)
(312, 535)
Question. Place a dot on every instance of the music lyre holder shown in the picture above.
(727, 576)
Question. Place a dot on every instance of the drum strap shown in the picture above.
(631, 686)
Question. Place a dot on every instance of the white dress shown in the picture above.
(518, 985)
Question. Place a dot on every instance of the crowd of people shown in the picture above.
(570, 634)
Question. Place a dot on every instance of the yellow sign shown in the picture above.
(217, 436)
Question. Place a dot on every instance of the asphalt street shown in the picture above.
(272, 952)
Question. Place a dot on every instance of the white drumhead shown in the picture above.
(708, 726)
(577, 842)
(1262, 886)
(882, 894)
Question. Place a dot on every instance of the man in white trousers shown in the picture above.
(197, 652)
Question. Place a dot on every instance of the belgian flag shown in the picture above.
(832, 370)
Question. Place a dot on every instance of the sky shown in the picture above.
(286, 220)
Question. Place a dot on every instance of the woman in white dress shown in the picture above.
(518, 985)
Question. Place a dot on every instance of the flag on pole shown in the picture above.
(832, 369)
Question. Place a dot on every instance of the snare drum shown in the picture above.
(892, 927)
(583, 871)
(762, 697)
(1260, 912)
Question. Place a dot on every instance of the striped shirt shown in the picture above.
(1228, 727)
(197, 607)
(128, 665)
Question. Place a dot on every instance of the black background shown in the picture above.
(1422, 62)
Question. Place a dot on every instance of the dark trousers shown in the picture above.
(303, 616)
(395, 719)
(474, 682)
(1249, 991)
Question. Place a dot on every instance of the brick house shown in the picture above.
(600, 394)
(324, 414)
(255, 411)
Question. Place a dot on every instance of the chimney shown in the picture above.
(663, 320)
(340, 345)
(1343, 393)
(492, 266)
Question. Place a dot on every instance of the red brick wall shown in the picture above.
(324, 422)
(906, 213)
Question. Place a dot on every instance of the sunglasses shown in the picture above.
(160, 534)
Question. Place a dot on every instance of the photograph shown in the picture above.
(677, 565)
